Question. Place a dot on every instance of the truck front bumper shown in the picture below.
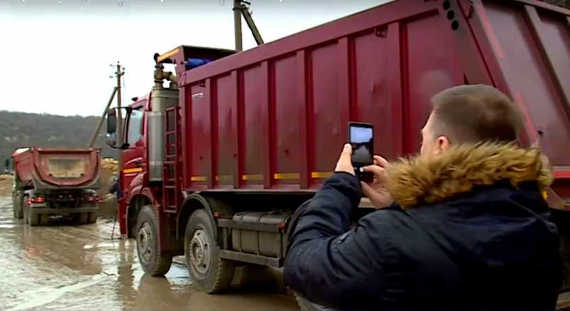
(37, 209)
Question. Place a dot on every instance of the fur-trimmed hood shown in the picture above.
(433, 179)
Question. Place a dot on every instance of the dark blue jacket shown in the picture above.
(489, 248)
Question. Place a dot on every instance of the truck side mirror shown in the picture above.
(112, 136)
(111, 120)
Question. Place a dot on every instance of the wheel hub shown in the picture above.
(145, 242)
(200, 251)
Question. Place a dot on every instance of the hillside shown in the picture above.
(18, 129)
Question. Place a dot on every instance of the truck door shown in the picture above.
(132, 156)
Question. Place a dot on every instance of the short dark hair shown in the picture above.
(475, 113)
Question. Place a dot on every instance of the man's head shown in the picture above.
(469, 114)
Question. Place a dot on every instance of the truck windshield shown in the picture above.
(135, 127)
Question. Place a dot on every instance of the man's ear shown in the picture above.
(442, 144)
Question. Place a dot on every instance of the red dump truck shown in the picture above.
(216, 157)
(55, 182)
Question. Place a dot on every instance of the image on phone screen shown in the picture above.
(361, 139)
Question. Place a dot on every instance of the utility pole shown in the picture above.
(100, 124)
(251, 23)
(237, 25)
(117, 90)
(118, 74)
(241, 7)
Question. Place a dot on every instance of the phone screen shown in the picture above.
(361, 139)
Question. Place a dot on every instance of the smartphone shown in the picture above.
(361, 138)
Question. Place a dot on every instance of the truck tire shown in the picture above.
(17, 205)
(207, 270)
(91, 218)
(25, 209)
(79, 218)
(148, 244)
(33, 220)
(43, 219)
(132, 221)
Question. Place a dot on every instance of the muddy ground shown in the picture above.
(63, 267)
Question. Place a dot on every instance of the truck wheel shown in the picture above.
(148, 244)
(17, 205)
(25, 209)
(79, 218)
(43, 219)
(33, 220)
(132, 217)
(92, 218)
(208, 271)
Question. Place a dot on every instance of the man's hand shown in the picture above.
(344, 163)
(376, 190)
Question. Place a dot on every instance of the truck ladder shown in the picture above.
(171, 176)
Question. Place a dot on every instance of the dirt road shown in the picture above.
(60, 267)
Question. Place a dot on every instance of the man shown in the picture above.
(466, 226)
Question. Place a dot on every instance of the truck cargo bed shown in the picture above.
(60, 168)
(274, 118)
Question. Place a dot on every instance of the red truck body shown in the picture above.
(51, 182)
(61, 168)
(275, 117)
(269, 123)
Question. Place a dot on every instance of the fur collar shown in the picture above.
(433, 179)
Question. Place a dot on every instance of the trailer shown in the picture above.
(55, 182)
(224, 148)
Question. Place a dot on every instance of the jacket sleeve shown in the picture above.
(328, 262)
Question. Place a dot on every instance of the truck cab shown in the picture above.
(141, 129)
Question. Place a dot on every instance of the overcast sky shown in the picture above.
(56, 53)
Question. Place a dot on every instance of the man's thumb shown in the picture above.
(346, 152)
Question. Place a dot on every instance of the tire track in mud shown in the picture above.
(44, 296)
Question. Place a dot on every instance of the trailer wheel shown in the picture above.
(207, 270)
(148, 244)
